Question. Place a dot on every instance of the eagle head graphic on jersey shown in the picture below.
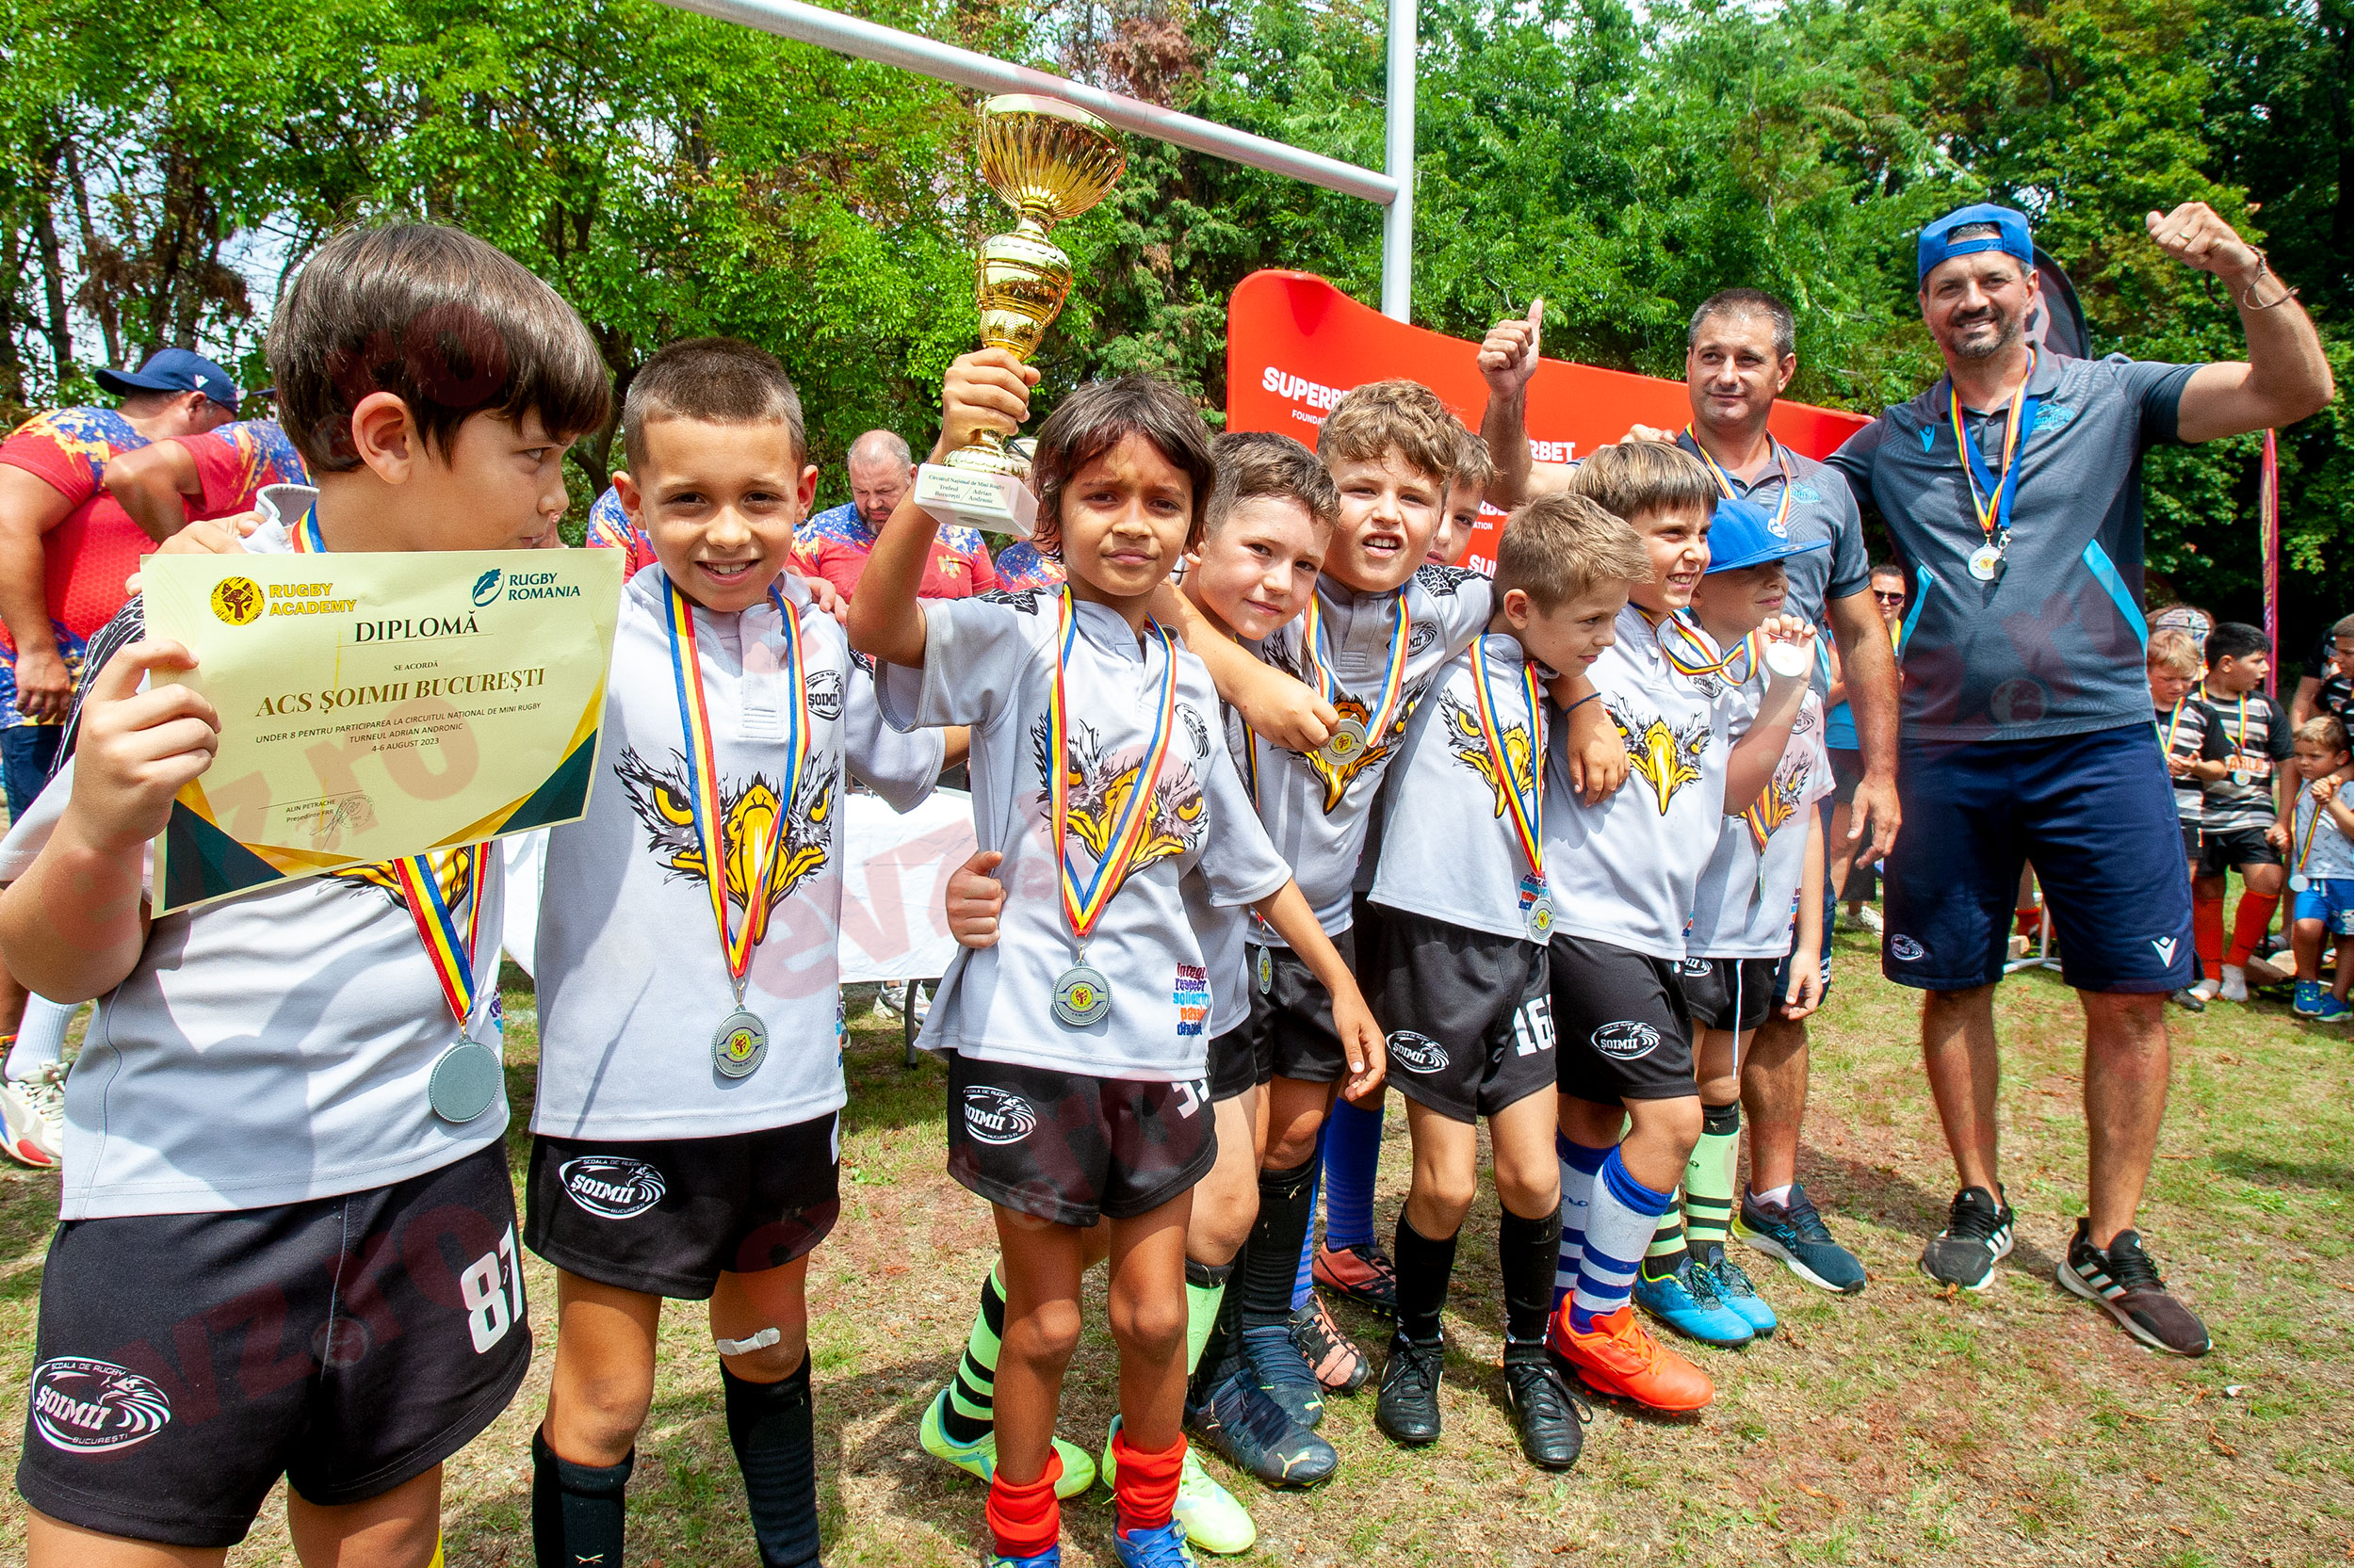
(452, 869)
(1471, 749)
(1776, 801)
(1666, 758)
(661, 798)
(1098, 785)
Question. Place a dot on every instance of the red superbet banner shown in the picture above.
(1294, 343)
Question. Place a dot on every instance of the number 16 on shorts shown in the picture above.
(492, 1289)
(1533, 1026)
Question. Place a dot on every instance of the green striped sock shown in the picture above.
(1708, 1176)
(1667, 1245)
(1206, 1287)
(970, 1416)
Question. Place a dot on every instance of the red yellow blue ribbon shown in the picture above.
(703, 780)
(1314, 654)
(436, 918)
(1084, 899)
(1674, 633)
(1527, 811)
(1781, 525)
(1993, 505)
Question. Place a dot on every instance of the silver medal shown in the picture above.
(1986, 561)
(1539, 918)
(1266, 971)
(1083, 996)
(2297, 881)
(465, 1082)
(2239, 775)
(739, 1045)
(1787, 659)
(1345, 743)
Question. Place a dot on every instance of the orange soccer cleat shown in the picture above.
(1618, 1356)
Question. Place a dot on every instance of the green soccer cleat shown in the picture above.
(979, 1458)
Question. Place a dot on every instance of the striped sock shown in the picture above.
(970, 1416)
(1667, 1241)
(1579, 1165)
(1709, 1178)
(1353, 1149)
(1620, 1217)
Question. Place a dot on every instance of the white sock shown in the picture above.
(1779, 1197)
(39, 1039)
(1579, 1165)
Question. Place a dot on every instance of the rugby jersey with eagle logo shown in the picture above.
(1749, 889)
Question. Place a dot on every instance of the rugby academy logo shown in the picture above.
(1904, 948)
(1626, 1039)
(237, 600)
(997, 1115)
(1417, 1053)
(95, 1407)
(611, 1185)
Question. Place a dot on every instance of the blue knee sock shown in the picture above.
(1620, 1221)
(1353, 1148)
(1579, 1165)
(1301, 1282)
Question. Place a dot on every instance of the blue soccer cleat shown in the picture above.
(1688, 1301)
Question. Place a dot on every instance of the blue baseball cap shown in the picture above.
(172, 370)
(2011, 237)
(1742, 533)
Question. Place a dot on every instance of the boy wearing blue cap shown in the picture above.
(1767, 871)
(1623, 875)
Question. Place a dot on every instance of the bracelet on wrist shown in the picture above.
(2265, 270)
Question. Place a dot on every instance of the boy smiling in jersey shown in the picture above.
(1623, 876)
(333, 1197)
(685, 1130)
(1078, 1091)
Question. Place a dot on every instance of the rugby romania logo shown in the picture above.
(237, 600)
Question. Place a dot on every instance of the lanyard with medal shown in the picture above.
(1349, 737)
(1780, 526)
(1992, 497)
(2166, 737)
(468, 1078)
(1525, 811)
(1083, 997)
(1691, 654)
(741, 1041)
(2298, 880)
(2239, 774)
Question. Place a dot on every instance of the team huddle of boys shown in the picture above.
(1283, 805)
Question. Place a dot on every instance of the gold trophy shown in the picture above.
(1049, 162)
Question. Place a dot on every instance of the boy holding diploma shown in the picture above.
(317, 1278)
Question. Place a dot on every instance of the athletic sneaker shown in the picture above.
(1276, 1362)
(1977, 1237)
(1618, 1357)
(32, 1117)
(2124, 1279)
(1250, 1432)
(1363, 1273)
(2306, 1001)
(1735, 1290)
(1407, 1410)
(1214, 1521)
(1547, 1415)
(1795, 1233)
(2190, 1000)
(1050, 1557)
(2235, 985)
(977, 1459)
(1340, 1365)
(1688, 1301)
(2333, 1009)
(1866, 918)
(1162, 1548)
(892, 997)
(2205, 990)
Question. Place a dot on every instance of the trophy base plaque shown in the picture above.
(994, 503)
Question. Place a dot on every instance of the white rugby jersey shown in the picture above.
(1448, 848)
(268, 1049)
(989, 661)
(1749, 891)
(1315, 810)
(633, 980)
(1625, 872)
(1224, 930)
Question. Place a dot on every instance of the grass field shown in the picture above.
(1900, 1426)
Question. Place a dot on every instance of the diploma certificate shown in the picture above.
(378, 705)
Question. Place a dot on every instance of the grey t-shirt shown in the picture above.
(1822, 508)
(2053, 646)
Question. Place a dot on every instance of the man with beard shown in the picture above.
(837, 540)
(2012, 491)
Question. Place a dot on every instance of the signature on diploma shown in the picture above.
(325, 818)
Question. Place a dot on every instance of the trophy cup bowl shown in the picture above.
(1049, 162)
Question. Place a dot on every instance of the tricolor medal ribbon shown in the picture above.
(1524, 809)
(742, 1040)
(1082, 994)
(1780, 523)
(1992, 496)
(1348, 739)
(1688, 653)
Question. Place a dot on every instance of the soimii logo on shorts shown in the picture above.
(1417, 1053)
(1903, 949)
(996, 1116)
(612, 1186)
(95, 1407)
(1697, 968)
(1626, 1040)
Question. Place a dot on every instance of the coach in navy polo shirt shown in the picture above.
(2012, 491)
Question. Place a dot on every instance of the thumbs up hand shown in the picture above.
(1508, 355)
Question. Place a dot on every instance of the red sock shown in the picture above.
(2026, 919)
(1024, 1521)
(2249, 923)
(1144, 1486)
(2207, 933)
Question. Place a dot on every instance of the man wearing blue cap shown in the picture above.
(2012, 491)
(1741, 352)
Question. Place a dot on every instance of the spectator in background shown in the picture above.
(167, 485)
(1851, 882)
(2324, 689)
(837, 540)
